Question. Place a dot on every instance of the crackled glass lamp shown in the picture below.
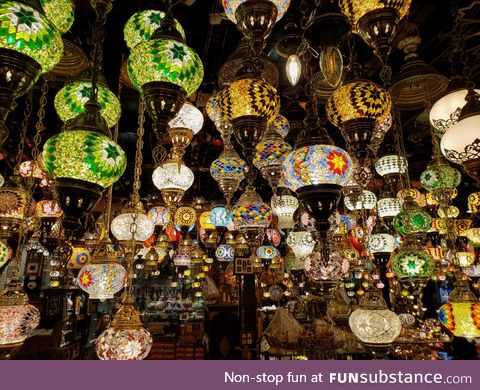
(372, 323)
(284, 207)
(301, 243)
(172, 178)
(165, 70)
(133, 213)
(366, 201)
(317, 174)
(30, 45)
(182, 128)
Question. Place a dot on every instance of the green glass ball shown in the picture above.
(412, 221)
(165, 60)
(70, 101)
(84, 155)
(25, 30)
(141, 26)
(438, 177)
(412, 264)
(60, 12)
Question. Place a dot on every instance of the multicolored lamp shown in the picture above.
(166, 71)
(225, 253)
(159, 215)
(357, 108)
(220, 217)
(223, 126)
(30, 45)
(70, 102)
(441, 180)
(60, 12)
(412, 262)
(412, 219)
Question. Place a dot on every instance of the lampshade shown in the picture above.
(366, 200)
(412, 219)
(284, 207)
(70, 101)
(459, 144)
(381, 243)
(230, 167)
(373, 323)
(185, 216)
(301, 243)
(225, 253)
(60, 12)
(173, 175)
(31, 169)
(159, 215)
(389, 207)
(189, 117)
(206, 221)
(473, 234)
(102, 281)
(230, 6)
(448, 212)
(249, 97)
(251, 212)
(439, 177)
(412, 264)
(318, 268)
(270, 153)
(168, 61)
(474, 202)
(80, 257)
(141, 26)
(464, 259)
(390, 164)
(123, 344)
(359, 99)
(84, 155)
(28, 32)
(182, 258)
(121, 226)
(220, 216)
(446, 110)
(281, 125)
(317, 164)
(356, 9)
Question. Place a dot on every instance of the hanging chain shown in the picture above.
(138, 154)
(23, 135)
(39, 127)
(459, 31)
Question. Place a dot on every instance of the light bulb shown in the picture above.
(331, 65)
(294, 69)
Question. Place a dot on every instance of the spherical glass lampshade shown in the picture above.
(464, 259)
(267, 252)
(381, 243)
(356, 9)
(461, 318)
(373, 323)
(17, 322)
(270, 153)
(228, 167)
(412, 221)
(459, 144)
(182, 258)
(173, 175)
(31, 169)
(317, 164)
(102, 281)
(301, 243)
(438, 177)
(205, 221)
(25, 30)
(121, 227)
(185, 216)
(48, 209)
(159, 215)
(474, 202)
(225, 253)
(70, 102)
(390, 164)
(230, 6)
(60, 12)
(249, 97)
(252, 215)
(80, 257)
(84, 155)
(168, 61)
(189, 117)
(446, 111)
(367, 201)
(123, 344)
(412, 264)
(448, 212)
(284, 207)
(317, 268)
(141, 26)
(473, 235)
(281, 125)
(220, 216)
(359, 99)
(389, 207)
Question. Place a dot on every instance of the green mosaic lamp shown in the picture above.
(440, 179)
(412, 219)
(29, 46)
(71, 99)
(166, 71)
(60, 12)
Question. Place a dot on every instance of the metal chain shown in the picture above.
(138, 154)
(459, 31)
(400, 148)
(98, 38)
(27, 112)
(39, 125)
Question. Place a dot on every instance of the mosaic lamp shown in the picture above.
(182, 128)
(389, 207)
(70, 102)
(166, 71)
(172, 178)
(412, 262)
(126, 339)
(412, 219)
(461, 315)
(440, 179)
(376, 21)
(60, 12)
(103, 277)
(223, 126)
(381, 245)
(18, 319)
(301, 243)
(372, 323)
(255, 18)
(220, 217)
(317, 174)
(159, 215)
(365, 201)
(205, 221)
(284, 207)
(132, 213)
(13, 206)
(357, 108)
(30, 45)
(225, 253)
(267, 254)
